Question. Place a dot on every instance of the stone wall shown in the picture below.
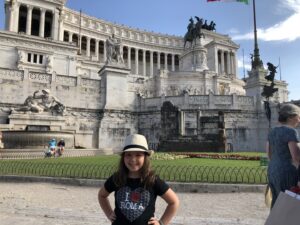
(240, 119)
(81, 96)
(77, 92)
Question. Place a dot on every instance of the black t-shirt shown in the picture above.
(61, 143)
(135, 205)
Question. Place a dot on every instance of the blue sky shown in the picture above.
(277, 24)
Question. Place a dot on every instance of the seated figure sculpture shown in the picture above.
(42, 101)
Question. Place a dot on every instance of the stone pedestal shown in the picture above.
(20, 121)
(34, 130)
(114, 127)
(116, 122)
(114, 84)
(195, 58)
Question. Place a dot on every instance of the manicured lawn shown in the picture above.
(182, 169)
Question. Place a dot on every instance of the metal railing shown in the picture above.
(40, 154)
(207, 174)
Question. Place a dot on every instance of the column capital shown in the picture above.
(29, 7)
(42, 10)
(16, 4)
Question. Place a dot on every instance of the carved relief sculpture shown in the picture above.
(49, 66)
(21, 58)
(42, 101)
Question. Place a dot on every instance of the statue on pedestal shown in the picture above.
(194, 31)
(114, 50)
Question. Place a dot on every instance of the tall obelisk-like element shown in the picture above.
(256, 61)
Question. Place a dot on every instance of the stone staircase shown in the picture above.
(36, 154)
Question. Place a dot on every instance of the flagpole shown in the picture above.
(244, 65)
(257, 63)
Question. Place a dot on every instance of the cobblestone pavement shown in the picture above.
(55, 204)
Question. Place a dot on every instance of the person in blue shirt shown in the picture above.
(52, 146)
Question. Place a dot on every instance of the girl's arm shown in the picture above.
(173, 203)
(105, 205)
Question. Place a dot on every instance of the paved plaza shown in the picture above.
(57, 204)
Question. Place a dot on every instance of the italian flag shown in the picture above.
(242, 1)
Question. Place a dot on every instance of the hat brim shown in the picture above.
(149, 152)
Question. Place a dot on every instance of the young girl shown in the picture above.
(136, 188)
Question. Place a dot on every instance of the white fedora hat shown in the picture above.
(136, 143)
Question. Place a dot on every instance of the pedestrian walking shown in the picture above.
(283, 151)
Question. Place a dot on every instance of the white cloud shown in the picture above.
(233, 31)
(293, 5)
(283, 31)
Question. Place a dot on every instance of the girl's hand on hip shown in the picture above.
(112, 217)
(154, 221)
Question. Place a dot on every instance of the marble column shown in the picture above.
(144, 62)
(88, 46)
(129, 57)
(104, 52)
(136, 61)
(151, 64)
(173, 62)
(29, 20)
(11, 10)
(158, 60)
(217, 61)
(42, 22)
(70, 37)
(228, 63)
(222, 62)
(166, 61)
(60, 28)
(54, 28)
(97, 49)
(16, 17)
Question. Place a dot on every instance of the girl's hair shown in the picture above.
(147, 174)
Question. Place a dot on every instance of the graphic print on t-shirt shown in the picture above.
(133, 203)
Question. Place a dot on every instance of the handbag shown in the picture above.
(285, 210)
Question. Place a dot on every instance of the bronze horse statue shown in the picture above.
(194, 31)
